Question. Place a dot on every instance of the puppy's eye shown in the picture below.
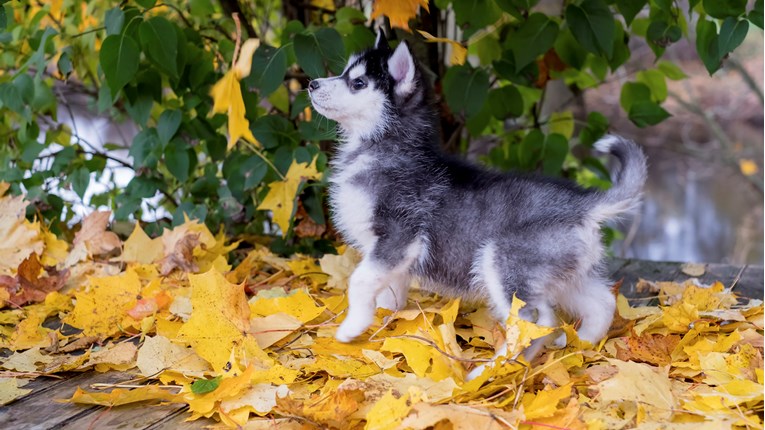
(358, 84)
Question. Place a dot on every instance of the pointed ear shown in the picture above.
(401, 68)
(381, 42)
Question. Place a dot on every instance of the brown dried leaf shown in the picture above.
(654, 349)
(179, 253)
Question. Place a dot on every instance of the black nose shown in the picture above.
(313, 85)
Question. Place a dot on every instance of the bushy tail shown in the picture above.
(628, 178)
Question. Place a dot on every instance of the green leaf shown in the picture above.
(255, 170)
(146, 3)
(477, 123)
(533, 38)
(505, 102)
(569, 50)
(654, 79)
(671, 70)
(476, 13)
(562, 123)
(630, 8)
(633, 92)
(487, 48)
(269, 66)
(140, 109)
(160, 44)
(755, 16)
(465, 89)
(168, 125)
(119, 57)
(555, 151)
(31, 151)
(359, 39)
(332, 48)
(621, 52)
(177, 159)
(80, 179)
(201, 8)
(724, 8)
(732, 33)
(142, 187)
(663, 34)
(592, 24)
(64, 62)
(3, 18)
(645, 112)
(707, 45)
(597, 124)
(531, 149)
(145, 149)
(114, 20)
(274, 131)
(317, 51)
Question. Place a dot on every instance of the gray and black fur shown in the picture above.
(461, 229)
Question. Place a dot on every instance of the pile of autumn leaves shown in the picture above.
(255, 341)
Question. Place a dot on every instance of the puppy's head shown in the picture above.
(363, 98)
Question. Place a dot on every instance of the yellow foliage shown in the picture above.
(220, 320)
(695, 362)
(281, 196)
(399, 12)
(459, 52)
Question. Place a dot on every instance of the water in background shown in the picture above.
(694, 212)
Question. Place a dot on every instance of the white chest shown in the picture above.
(353, 204)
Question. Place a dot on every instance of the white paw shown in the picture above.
(387, 300)
(476, 372)
(346, 333)
(352, 327)
(559, 342)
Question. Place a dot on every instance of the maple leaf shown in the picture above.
(399, 12)
(459, 52)
(639, 383)
(102, 310)
(56, 250)
(281, 196)
(219, 321)
(158, 353)
(10, 389)
(29, 286)
(227, 97)
(140, 248)
(120, 396)
(654, 349)
(20, 237)
(92, 239)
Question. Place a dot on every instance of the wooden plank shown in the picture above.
(178, 421)
(748, 282)
(41, 411)
(122, 417)
(40, 384)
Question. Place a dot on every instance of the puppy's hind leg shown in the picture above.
(393, 297)
(594, 304)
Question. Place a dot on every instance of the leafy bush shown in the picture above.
(155, 64)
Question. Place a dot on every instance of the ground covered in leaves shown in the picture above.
(252, 343)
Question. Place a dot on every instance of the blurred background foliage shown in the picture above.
(108, 105)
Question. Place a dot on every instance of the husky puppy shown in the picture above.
(463, 230)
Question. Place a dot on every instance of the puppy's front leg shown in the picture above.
(366, 282)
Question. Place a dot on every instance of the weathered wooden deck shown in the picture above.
(39, 409)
